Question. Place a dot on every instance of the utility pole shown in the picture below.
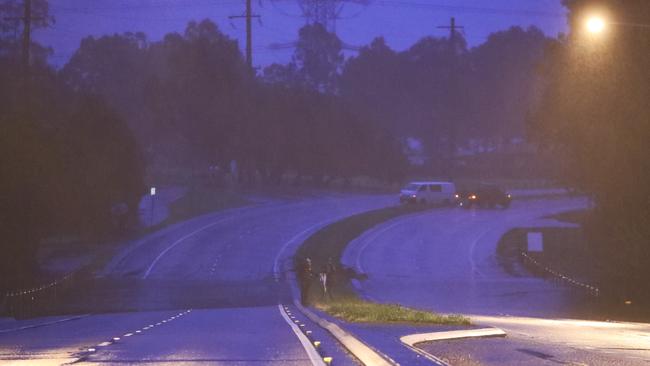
(249, 31)
(26, 19)
(453, 93)
(27, 30)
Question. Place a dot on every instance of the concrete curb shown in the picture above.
(366, 354)
(453, 334)
(411, 340)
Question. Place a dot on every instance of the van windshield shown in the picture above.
(411, 187)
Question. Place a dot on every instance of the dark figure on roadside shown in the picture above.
(330, 270)
(305, 275)
(323, 278)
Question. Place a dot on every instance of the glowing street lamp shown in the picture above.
(595, 24)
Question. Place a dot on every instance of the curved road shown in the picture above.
(223, 266)
(445, 260)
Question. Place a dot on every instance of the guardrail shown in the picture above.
(26, 303)
(592, 290)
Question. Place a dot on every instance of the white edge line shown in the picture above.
(276, 262)
(372, 237)
(43, 324)
(174, 244)
(314, 357)
(178, 241)
(363, 352)
(427, 355)
(366, 354)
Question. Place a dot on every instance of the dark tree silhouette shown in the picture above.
(318, 58)
(594, 118)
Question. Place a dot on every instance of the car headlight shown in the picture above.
(473, 197)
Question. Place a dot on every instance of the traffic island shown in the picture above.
(370, 331)
(355, 310)
(324, 250)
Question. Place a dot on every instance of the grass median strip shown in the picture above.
(359, 311)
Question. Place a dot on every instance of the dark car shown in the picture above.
(484, 196)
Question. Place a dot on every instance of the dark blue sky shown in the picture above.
(401, 23)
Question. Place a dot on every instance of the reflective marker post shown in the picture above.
(152, 193)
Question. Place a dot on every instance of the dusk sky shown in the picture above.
(401, 23)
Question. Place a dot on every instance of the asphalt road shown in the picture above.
(445, 260)
(226, 267)
(206, 291)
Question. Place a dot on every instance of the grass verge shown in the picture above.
(330, 242)
(359, 311)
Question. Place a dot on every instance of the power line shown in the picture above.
(471, 9)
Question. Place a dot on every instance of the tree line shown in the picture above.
(79, 142)
(192, 101)
(594, 121)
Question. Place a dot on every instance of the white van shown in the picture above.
(428, 192)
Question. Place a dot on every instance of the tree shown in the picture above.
(318, 58)
(595, 117)
(506, 81)
(65, 160)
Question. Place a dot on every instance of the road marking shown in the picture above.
(276, 262)
(366, 354)
(314, 357)
(174, 244)
(368, 241)
(44, 324)
(376, 233)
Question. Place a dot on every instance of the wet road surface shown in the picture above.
(445, 260)
(223, 266)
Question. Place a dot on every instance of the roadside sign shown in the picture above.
(535, 242)
(153, 191)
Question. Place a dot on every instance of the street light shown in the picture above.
(595, 24)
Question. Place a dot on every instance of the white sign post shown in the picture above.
(535, 242)
(152, 193)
